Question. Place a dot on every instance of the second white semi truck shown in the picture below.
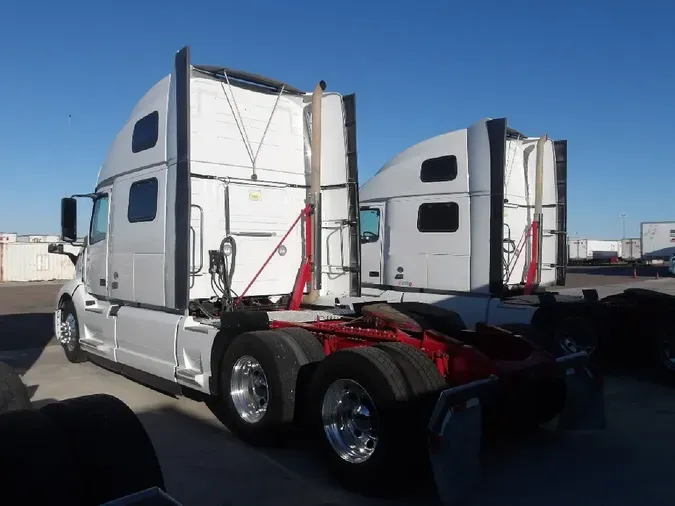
(475, 221)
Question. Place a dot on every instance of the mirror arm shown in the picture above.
(87, 195)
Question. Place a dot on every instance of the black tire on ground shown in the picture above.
(392, 467)
(37, 466)
(281, 359)
(113, 453)
(74, 354)
(13, 393)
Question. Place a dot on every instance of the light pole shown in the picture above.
(623, 217)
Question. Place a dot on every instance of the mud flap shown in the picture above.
(585, 397)
(455, 429)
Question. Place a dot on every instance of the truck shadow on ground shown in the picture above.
(547, 467)
(23, 338)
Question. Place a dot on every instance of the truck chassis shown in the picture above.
(390, 391)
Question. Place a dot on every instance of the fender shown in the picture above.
(68, 291)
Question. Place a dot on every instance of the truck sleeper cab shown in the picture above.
(224, 231)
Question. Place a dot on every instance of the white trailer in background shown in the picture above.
(657, 241)
(593, 251)
(631, 250)
(38, 238)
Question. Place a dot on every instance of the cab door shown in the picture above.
(372, 240)
(96, 264)
(97, 326)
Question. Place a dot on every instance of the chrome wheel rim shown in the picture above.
(248, 389)
(68, 332)
(350, 421)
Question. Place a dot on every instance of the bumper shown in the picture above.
(456, 424)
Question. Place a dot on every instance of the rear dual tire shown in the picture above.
(259, 382)
(368, 409)
(391, 387)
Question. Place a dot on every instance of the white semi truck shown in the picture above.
(475, 221)
(225, 234)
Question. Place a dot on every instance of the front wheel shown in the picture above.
(69, 333)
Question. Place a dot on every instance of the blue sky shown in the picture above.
(600, 74)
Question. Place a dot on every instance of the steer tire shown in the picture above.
(75, 354)
(280, 358)
(391, 468)
(37, 466)
(113, 453)
(13, 393)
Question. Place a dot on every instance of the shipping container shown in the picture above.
(658, 240)
(38, 238)
(592, 251)
(631, 250)
(26, 261)
(7, 237)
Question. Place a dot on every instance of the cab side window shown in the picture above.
(99, 220)
(370, 225)
(143, 201)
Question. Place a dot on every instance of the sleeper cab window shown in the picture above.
(99, 220)
(438, 217)
(142, 201)
(146, 133)
(370, 225)
(437, 170)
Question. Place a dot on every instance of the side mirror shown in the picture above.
(55, 248)
(69, 219)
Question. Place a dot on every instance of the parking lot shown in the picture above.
(628, 464)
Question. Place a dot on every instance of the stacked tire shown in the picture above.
(368, 406)
(82, 451)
